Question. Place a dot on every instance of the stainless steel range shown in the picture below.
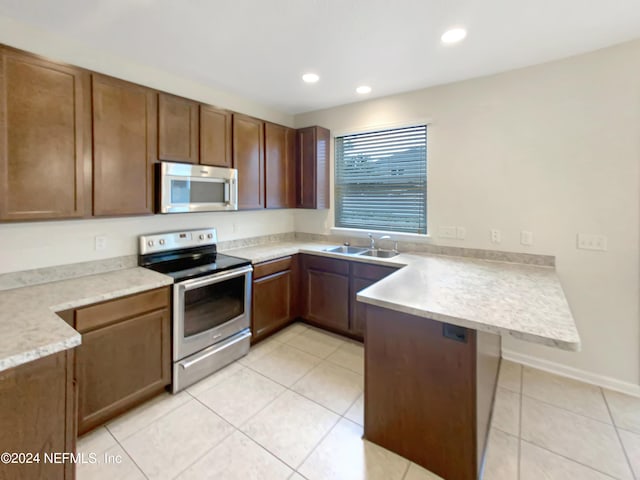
(211, 301)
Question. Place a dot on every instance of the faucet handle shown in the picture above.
(347, 244)
(395, 246)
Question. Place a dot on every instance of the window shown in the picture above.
(381, 180)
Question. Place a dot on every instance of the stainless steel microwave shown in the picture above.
(196, 188)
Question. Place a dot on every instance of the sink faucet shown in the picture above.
(372, 240)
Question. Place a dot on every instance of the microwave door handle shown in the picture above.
(227, 193)
(215, 278)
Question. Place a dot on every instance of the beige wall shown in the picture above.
(554, 149)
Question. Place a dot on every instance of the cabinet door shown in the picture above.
(271, 303)
(327, 299)
(36, 414)
(215, 137)
(120, 365)
(357, 319)
(279, 166)
(312, 168)
(178, 129)
(44, 139)
(248, 158)
(124, 139)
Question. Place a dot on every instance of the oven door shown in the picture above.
(209, 309)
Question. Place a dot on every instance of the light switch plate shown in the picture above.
(100, 242)
(592, 241)
(461, 233)
(526, 237)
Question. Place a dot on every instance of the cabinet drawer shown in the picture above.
(272, 266)
(102, 314)
(370, 272)
(341, 267)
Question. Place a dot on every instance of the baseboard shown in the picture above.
(571, 372)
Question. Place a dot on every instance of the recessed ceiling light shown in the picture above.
(363, 89)
(453, 35)
(310, 77)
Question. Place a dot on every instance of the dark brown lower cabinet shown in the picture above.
(37, 415)
(429, 391)
(330, 289)
(125, 355)
(326, 292)
(274, 296)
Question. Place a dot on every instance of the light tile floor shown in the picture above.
(293, 409)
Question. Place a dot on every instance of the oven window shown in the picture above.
(211, 306)
(194, 191)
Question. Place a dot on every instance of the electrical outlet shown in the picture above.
(447, 232)
(100, 242)
(496, 236)
(592, 241)
(461, 233)
(526, 237)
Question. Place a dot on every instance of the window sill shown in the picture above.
(400, 236)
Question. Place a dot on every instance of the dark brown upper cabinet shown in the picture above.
(280, 188)
(124, 147)
(178, 129)
(248, 158)
(215, 137)
(312, 168)
(45, 143)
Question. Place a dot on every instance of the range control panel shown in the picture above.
(162, 242)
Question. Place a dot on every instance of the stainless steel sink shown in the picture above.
(345, 249)
(379, 253)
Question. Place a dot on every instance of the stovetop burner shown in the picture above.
(185, 255)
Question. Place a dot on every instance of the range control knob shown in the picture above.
(210, 235)
(161, 241)
(201, 236)
(150, 243)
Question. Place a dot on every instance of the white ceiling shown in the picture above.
(260, 48)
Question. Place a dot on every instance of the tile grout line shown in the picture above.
(518, 474)
(569, 411)
(406, 470)
(106, 425)
(238, 429)
(313, 449)
(233, 429)
(541, 447)
(127, 453)
(311, 399)
(615, 427)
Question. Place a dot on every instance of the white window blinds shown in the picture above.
(381, 180)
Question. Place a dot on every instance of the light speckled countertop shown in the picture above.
(524, 301)
(29, 328)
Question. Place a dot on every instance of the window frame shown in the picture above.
(360, 232)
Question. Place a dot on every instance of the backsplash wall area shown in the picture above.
(25, 246)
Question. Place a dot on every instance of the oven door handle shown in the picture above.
(215, 278)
